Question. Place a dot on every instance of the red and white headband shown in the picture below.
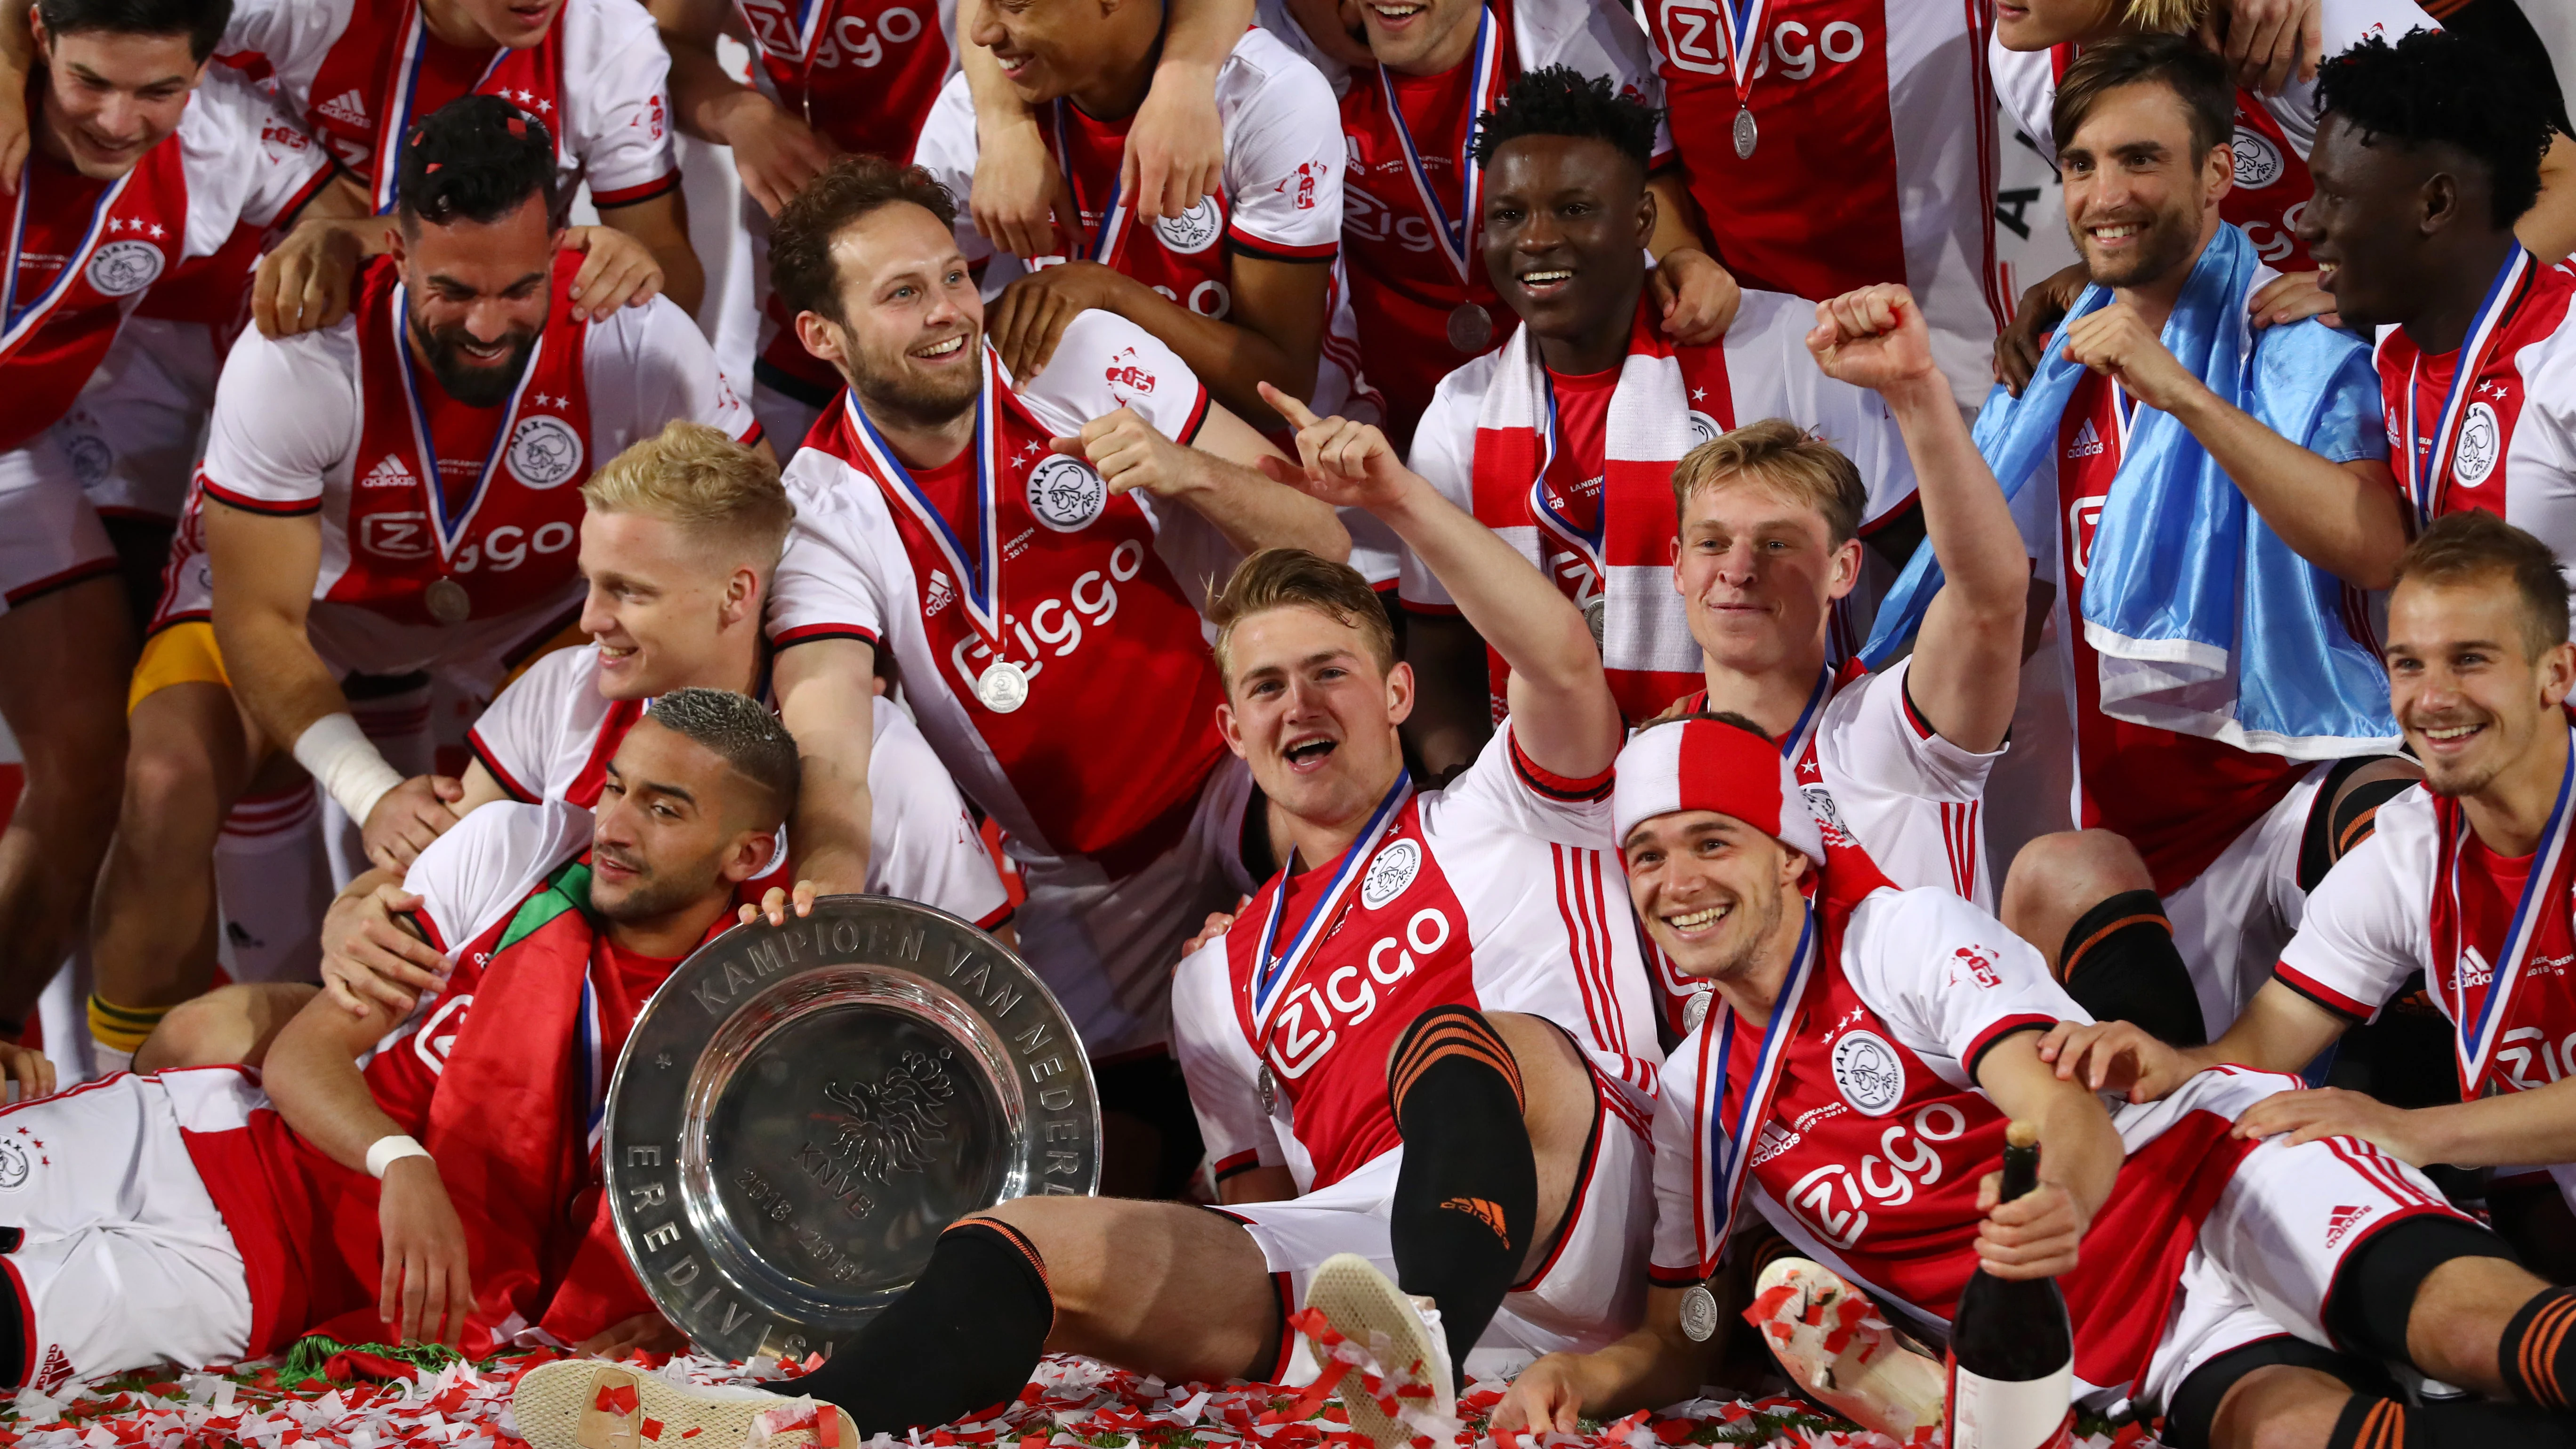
(1706, 764)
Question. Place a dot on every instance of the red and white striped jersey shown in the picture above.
(1501, 892)
(2273, 133)
(551, 733)
(1875, 157)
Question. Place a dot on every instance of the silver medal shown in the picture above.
(1003, 686)
(1695, 1010)
(1596, 617)
(1268, 1087)
(1471, 328)
(1746, 133)
(447, 601)
(1699, 1314)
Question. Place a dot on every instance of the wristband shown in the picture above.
(388, 1150)
(345, 763)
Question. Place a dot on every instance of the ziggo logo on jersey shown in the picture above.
(1053, 621)
(1306, 1029)
(1695, 39)
(1910, 1162)
(406, 536)
(844, 36)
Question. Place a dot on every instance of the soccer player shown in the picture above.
(1855, 1083)
(1242, 287)
(2462, 881)
(2427, 162)
(1522, 437)
(1032, 556)
(443, 1191)
(1423, 1044)
(2119, 456)
(1412, 208)
(142, 161)
(397, 492)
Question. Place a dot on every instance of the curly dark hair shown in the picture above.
(1559, 100)
(202, 21)
(477, 158)
(801, 269)
(2437, 87)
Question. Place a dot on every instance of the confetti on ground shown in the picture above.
(378, 1402)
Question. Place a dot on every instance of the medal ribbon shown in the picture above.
(415, 48)
(1744, 45)
(2428, 469)
(979, 582)
(1723, 1159)
(1799, 743)
(1453, 236)
(18, 323)
(446, 530)
(1584, 544)
(1113, 218)
(1272, 973)
(2476, 1032)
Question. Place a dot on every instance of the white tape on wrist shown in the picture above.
(389, 1150)
(342, 760)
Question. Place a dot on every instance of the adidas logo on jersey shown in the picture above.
(56, 1372)
(941, 593)
(2343, 1220)
(389, 472)
(2088, 443)
(348, 108)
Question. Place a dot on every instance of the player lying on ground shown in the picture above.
(1854, 1082)
(1425, 1022)
(193, 1217)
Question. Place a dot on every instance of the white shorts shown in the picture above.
(2233, 919)
(2268, 1251)
(1107, 948)
(138, 426)
(1589, 1292)
(125, 1259)
(50, 536)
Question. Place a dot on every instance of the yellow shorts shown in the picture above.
(183, 653)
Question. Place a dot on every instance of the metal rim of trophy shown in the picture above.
(801, 1109)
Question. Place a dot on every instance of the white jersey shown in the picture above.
(1500, 892)
(1279, 196)
(599, 81)
(551, 733)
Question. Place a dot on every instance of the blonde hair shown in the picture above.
(2165, 15)
(1778, 452)
(693, 475)
(1292, 578)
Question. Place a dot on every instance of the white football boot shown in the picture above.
(1402, 1332)
(1872, 1375)
(588, 1403)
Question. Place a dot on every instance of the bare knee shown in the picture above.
(2278, 1407)
(173, 801)
(2056, 878)
(231, 1024)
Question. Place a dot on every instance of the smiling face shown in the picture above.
(675, 828)
(2467, 690)
(1758, 572)
(1718, 896)
(1420, 37)
(110, 96)
(909, 316)
(2366, 221)
(2027, 25)
(2140, 200)
(517, 24)
(661, 604)
(1566, 224)
(1313, 712)
(1048, 48)
(477, 294)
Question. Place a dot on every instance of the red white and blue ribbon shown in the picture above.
(1583, 543)
(1103, 244)
(1744, 44)
(1724, 1157)
(407, 92)
(18, 323)
(1456, 236)
(1272, 972)
(2428, 468)
(1800, 741)
(448, 530)
(2477, 1029)
(978, 565)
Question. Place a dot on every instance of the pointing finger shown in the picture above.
(1297, 413)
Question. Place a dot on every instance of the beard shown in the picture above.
(891, 387)
(2165, 244)
(652, 894)
(473, 384)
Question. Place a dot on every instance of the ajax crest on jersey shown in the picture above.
(544, 451)
(15, 1164)
(123, 267)
(1869, 1073)
(1065, 494)
(1703, 427)
(2258, 161)
(2481, 444)
(1194, 230)
(1390, 873)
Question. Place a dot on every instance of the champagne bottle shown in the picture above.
(2012, 1355)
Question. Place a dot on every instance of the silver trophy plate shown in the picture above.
(801, 1109)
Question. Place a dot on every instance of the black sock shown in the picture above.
(2119, 963)
(1466, 1198)
(2342, 819)
(2538, 1354)
(2369, 1422)
(964, 1337)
